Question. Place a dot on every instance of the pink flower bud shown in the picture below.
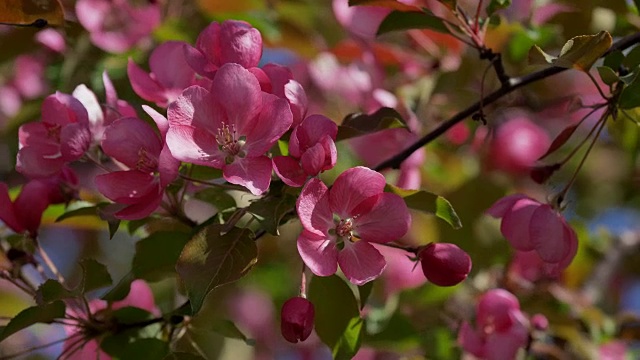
(445, 264)
(297, 319)
(540, 322)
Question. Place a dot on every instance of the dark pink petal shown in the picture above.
(253, 173)
(278, 76)
(289, 170)
(495, 309)
(239, 43)
(195, 146)
(352, 187)
(332, 152)
(571, 241)
(546, 232)
(381, 218)
(318, 253)
(63, 109)
(273, 122)
(263, 79)
(505, 345)
(75, 140)
(445, 264)
(168, 167)
(31, 163)
(126, 187)
(32, 201)
(295, 94)
(37, 134)
(470, 340)
(168, 64)
(360, 262)
(239, 95)
(145, 86)
(53, 39)
(410, 177)
(198, 61)
(504, 205)
(123, 108)
(297, 317)
(142, 209)
(132, 142)
(161, 122)
(313, 129)
(312, 160)
(515, 224)
(7, 212)
(313, 208)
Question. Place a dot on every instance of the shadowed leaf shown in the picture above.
(36, 314)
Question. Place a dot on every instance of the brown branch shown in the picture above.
(513, 84)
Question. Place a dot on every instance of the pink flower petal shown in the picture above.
(289, 170)
(168, 167)
(239, 43)
(546, 232)
(239, 95)
(274, 120)
(75, 140)
(352, 187)
(198, 61)
(126, 187)
(145, 86)
(142, 209)
(495, 309)
(318, 253)
(195, 146)
(7, 212)
(360, 262)
(168, 64)
(313, 208)
(195, 108)
(502, 206)
(253, 173)
(63, 109)
(381, 218)
(31, 163)
(295, 94)
(32, 201)
(132, 141)
(140, 296)
(312, 160)
(470, 340)
(516, 222)
(505, 345)
(161, 122)
(79, 348)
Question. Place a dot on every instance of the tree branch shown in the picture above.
(513, 84)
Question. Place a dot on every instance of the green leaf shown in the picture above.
(364, 291)
(217, 197)
(36, 314)
(614, 59)
(349, 343)
(124, 346)
(129, 315)
(200, 172)
(632, 59)
(630, 96)
(94, 276)
(211, 259)
(107, 213)
(87, 210)
(228, 329)
(580, 52)
(607, 75)
(407, 20)
(183, 356)
(496, 5)
(51, 291)
(156, 256)
(445, 211)
(359, 124)
(271, 210)
(336, 314)
(121, 290)
(429, 203)
(398, 333)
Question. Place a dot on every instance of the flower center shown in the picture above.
(146, 163)
(228, 141)
(54, 131)
(344, 228)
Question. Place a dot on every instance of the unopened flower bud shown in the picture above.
(297, 319)
(539, 322)
(445, 264)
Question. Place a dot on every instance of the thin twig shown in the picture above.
(515, 83)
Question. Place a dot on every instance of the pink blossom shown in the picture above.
(52, 39)
(230, 127)
(296, 319)
(102, 116)
(151, 167)
(311, 150)
(82, 344)
(25, 212)
(170, 74)
(361, 21)
(232, 41)
(531, 226)
(501, 328)
(517, 145)
(613, 350)
(278, 80)
(62, 136)
(401, 272)
(445, 264)
(115, 25)
(341, 223)
(29, 76)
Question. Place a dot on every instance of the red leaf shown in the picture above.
(561, 139)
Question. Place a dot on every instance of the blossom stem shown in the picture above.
(513, 84)
(303, 281)
(50, 264)
(575, 150)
